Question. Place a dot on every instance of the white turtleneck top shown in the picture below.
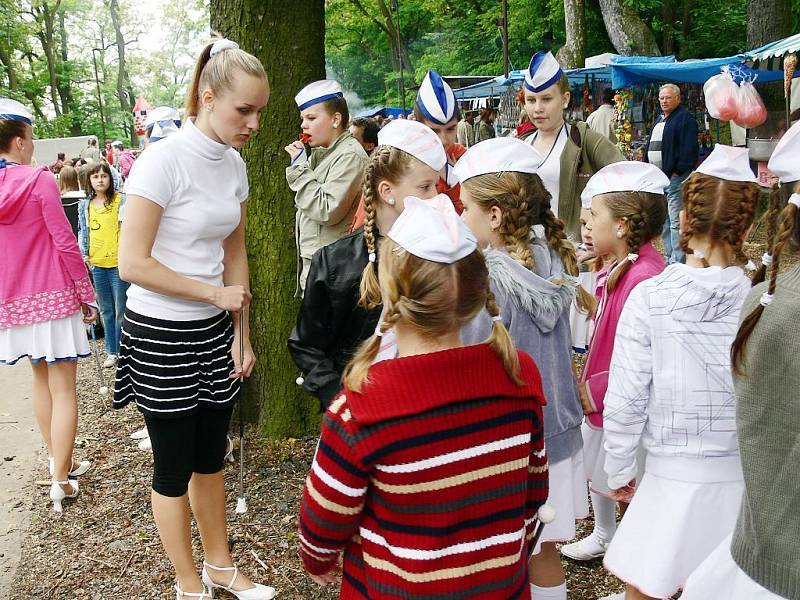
(200, 184)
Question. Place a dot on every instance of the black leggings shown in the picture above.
(191, 444)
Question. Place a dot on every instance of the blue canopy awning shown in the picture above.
(770, 55)
(499, 85)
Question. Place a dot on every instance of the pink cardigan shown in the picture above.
(601, 346)
(42, 275)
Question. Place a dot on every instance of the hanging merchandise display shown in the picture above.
(722, 96)
(751, 111)
(622, 122)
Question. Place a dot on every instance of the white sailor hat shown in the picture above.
(625, 176)
(318, 91)
(436, 99)
(162, 122)
(14, 111)
(783, 163)
(729, 163)
(416, 139)
(431, 230)
(543, 71)
(497, 155)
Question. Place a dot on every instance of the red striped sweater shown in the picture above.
(429, 480)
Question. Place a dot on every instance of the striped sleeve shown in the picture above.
(538, 476)
(334, 494)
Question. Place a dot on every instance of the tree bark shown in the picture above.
(573, 54)
(626, 30)
(768, 21)
(293, 54)
(123, 81)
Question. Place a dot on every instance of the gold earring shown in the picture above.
(619, 234)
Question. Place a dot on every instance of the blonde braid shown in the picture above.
(369, 288)
(556, 235)
(500, 341)
(516, 231)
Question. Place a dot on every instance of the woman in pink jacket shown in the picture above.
(45, 293)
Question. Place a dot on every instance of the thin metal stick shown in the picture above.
(241, 503)
(103, 387)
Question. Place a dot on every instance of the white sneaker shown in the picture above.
(140, 434)
(588, 548)
(111, 360)
(145, 444)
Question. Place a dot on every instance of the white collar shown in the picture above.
(203, 144)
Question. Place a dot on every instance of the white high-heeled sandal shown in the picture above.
(57, 493)
(257, 592)
(81, 469)
(180, 594)
(229, 450)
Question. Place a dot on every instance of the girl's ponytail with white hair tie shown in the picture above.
(222, 45)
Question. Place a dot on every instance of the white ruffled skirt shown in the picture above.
(49, 341)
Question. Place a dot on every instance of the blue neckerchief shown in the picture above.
(2, 163)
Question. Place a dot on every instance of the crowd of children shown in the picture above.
(445, 291)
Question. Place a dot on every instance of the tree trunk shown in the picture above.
(45, 33)
(293, 54)
(668, 14)
(64, 79)
(8, 62)
(123, 81)
(573, 54)
(768, 21)
(626, 30)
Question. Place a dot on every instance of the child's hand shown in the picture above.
(584, 255)
(331, 576)
(586, 401)
(624, 494)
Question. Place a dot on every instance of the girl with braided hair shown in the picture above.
(341, 305)
(759, 560)
(670, 390)
(431, 467)
(627, 209)
(533, 274)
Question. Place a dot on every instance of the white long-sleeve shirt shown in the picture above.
(670, 384)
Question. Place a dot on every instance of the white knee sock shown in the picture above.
(605, 516)
(549, 593)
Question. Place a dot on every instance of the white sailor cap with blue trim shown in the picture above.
(14, 111)
(416, 139)
(783, 162)
(318, 91)
(543, 71)
(497, 155)
(436, 99)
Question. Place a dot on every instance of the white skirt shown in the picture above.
(50, 341)
(569, 499)
(670, 528)
(594, 458)
(719, 577)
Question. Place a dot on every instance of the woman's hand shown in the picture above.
(242, 366)
(232, 298)
(89, 313)
(295, 149)
(624, 494)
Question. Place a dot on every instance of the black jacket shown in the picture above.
(331, 325)
(679, 149)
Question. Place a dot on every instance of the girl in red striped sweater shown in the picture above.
(431, 467)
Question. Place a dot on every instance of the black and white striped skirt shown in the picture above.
(170, 368)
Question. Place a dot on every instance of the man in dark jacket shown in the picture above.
(672, 147)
